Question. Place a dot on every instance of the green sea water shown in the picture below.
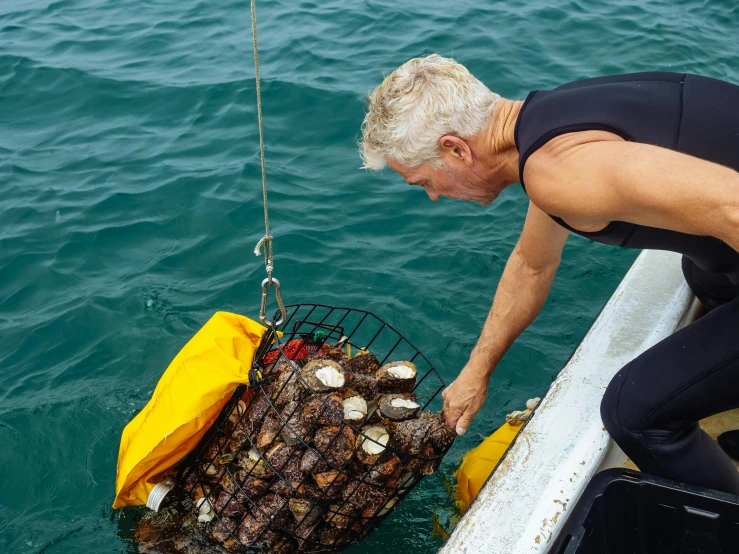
(130, 204)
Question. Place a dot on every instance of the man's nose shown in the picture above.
(433, 195)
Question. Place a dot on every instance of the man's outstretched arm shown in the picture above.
(522, 291)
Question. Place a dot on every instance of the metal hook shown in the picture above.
(268, 282)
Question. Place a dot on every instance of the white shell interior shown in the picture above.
(330, 377)
(253, 455)
(404, 403)
(205, 511)
(402, 371)
(355, 407)
(377, 434)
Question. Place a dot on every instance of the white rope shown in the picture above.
(517, 418)
(266, 240)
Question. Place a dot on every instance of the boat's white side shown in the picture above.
(525, 502)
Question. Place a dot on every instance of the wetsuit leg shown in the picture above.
(652, 406)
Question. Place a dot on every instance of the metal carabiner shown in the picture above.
(271, 281)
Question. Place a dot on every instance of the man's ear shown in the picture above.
(455, 149)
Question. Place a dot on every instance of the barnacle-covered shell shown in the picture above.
(325, 409)
(441, 436)
(305, 511)
(323, 375)
(372, 443)
(411, 435)
(269, 431)
(286, 389)
(385, 473)
(230, 505)
(397, 377)
(312, 463)
(363, 362)
(334, 352)
(366, 385)
(286, 461)
(297, 428)
(330, 482)
(333, 536)
(359, 494)
(355, 410)
(336, 443)
(220, 530)
(254, 465)
(340, 515)
(398, 407)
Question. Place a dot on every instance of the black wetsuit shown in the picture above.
(653, 405)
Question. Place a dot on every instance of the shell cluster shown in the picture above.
(314, 458)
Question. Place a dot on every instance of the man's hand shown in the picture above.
(464, 398)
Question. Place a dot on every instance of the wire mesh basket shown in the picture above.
(328, 438)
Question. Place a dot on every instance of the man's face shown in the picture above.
(457, 182)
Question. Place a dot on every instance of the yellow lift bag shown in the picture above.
(479, 463)
(186, 401)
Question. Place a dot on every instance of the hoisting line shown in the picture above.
(266, 240)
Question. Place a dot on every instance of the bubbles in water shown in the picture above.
(58, 216)
(149, 303)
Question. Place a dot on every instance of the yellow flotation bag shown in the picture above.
(186, 401)
(479, 463)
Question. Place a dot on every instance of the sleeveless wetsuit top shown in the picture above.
(687, 113)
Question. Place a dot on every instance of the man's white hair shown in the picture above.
(417, 104)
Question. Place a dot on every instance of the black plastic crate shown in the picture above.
(627, 512)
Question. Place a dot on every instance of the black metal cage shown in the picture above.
(286, 467)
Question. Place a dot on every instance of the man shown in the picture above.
(646, 160)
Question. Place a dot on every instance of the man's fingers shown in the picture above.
(452, 415)
(463, 423)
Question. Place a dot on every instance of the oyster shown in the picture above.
(441, 436)
(254, 465)
(397, 407)
(269, 431)
(325, 409)
(372, 443)
(385, 473)
(237, 412)
(336, 444)
(397, 377)
(286, 389)
(312, 462)
(323, 375)
(296, 428)
(363, 362)
(355, 409)
(411, 435)
(230, 505)
(366, 385)
(286, 461)
(304, 511)
(222, 529)
(331, 483)
(339, 515)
